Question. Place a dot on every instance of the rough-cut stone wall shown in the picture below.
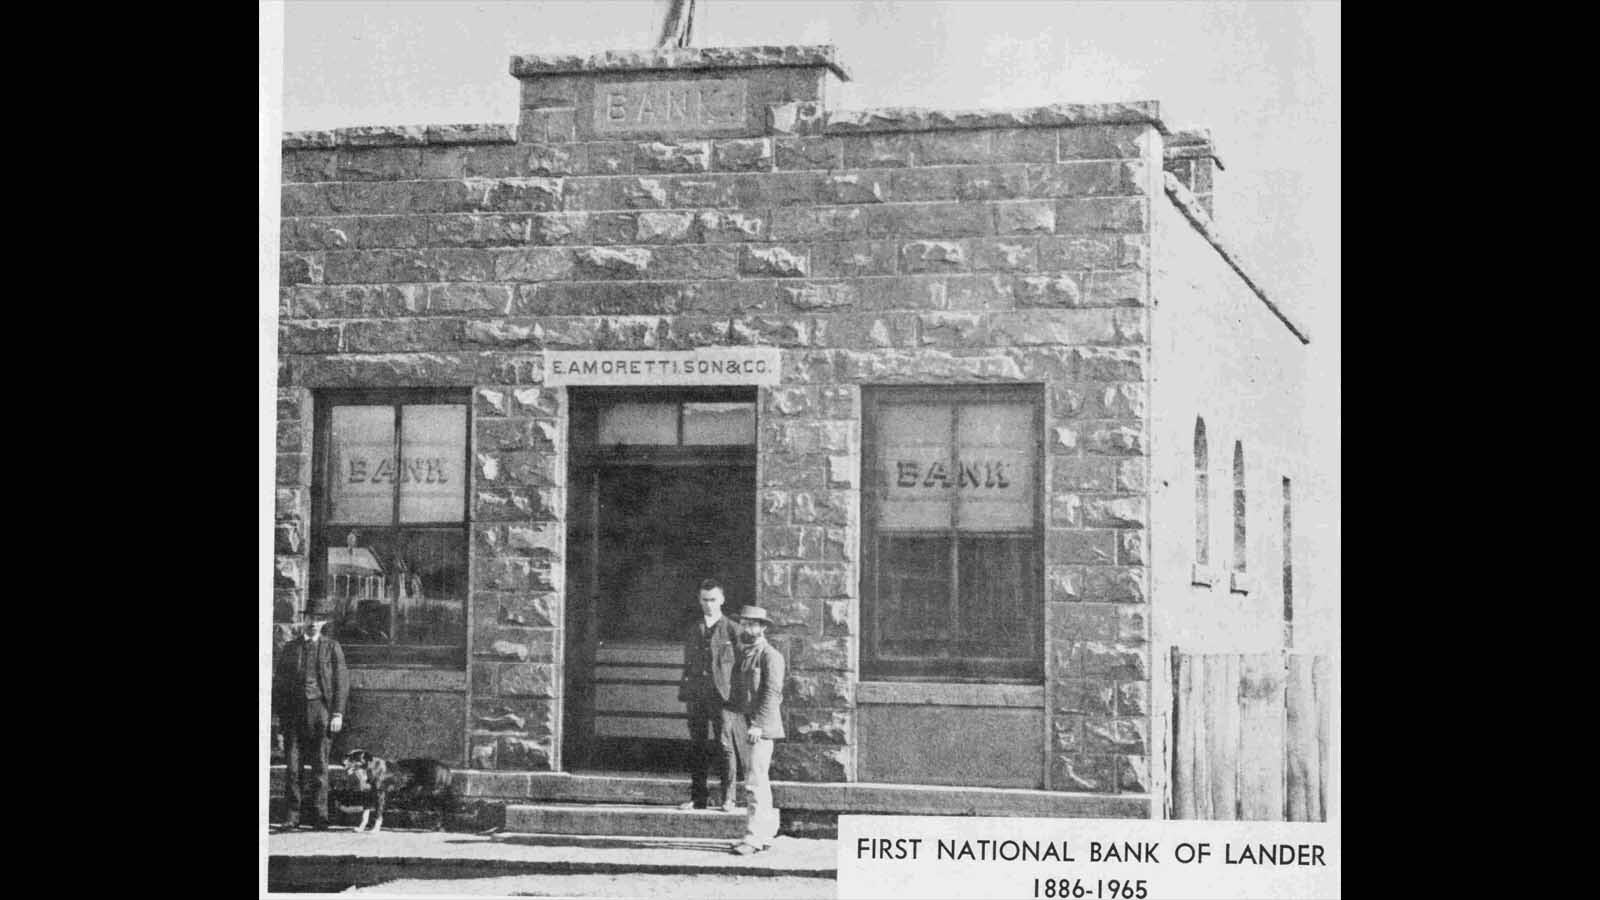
(884, 249)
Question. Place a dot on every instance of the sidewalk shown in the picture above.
(340, 857)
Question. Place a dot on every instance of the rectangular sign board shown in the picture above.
(701, 106)
(706, 366)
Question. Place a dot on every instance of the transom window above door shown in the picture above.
(677, 424)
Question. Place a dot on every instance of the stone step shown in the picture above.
(630, 821)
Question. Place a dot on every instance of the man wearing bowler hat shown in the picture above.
(309, 688)
(758, 695)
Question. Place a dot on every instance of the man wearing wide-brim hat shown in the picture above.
(309, 689)
(758, 696)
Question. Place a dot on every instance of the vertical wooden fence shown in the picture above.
(1250, 736)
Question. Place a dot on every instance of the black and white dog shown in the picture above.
(377, 778)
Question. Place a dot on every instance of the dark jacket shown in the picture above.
(332, 677)
(758, 688)
(723, 655)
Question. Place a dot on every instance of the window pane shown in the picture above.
(361, 464)
(913, 596)
(431, 589)
(433, 450)
(719, 423)
(999, 612)
(914, 471)
(996, 458)
(639, 423)
(359, 584)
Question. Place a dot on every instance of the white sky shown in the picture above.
(1264, 76)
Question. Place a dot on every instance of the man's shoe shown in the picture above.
(289, 825)
(729, 806)
(693, 804)
(744, 849)
(321, 825)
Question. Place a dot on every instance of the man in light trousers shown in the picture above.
(758, 695)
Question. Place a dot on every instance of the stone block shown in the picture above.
(1133, 774)
(793, 761)
(1025, 217)
(1059, 290)
(518, 504)
(1102, 735)
(820, 688)
(877, 152)
(547, 126)
(293, 469)
(718, 226)
(913, 293)
(716, 192)
(919, 184)
(523, 195)
(818, 726)
(811, 580)
(1122, 662)
(469, 298)
(527, 680)
(1131, 548)
(1109, 364)
(522, 610)
(1115, 512)
(836, 618)
(300, 268)
(1079, 772)
(1025, 145)
(1102, 142)
(777, 543)
(931, 220)
(1004, 254)
(1080, 547)
(849, 187)
(1064, 584)
(316, 234)
(608, 158)
(359, 300)
(377, 164)
(518, 753)
(1133, 698)
(1066, 734)
(748, 155)
(1110, 584)
(663, 228)
(591, 194)
(949, 148)
(819, 223)
(1087, 179)
(1089, 698)
(309, 166)
(481, 751)
(1100, 214)
(1115, 288)
(799, 118)
(1066, 511)
(1115, 439)
(777, 262)
(800, 153)
(483, 230)
(933, 256)
(827, 654)
(824, 508)
(1080, 251)
(991, 183)
(773, 579)
(672, 157)
(842, 471)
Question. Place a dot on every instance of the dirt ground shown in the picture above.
(674, 887)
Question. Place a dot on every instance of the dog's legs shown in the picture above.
(365, 813)
(383, 800)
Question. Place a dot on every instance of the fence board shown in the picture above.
(1261, 736)
(1300, 770)
(1183, 741)
(1322, 689)
(1201, 740)
(1222, 733)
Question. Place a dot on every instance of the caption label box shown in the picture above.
(1106, 859)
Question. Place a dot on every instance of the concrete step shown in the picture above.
(631, 821)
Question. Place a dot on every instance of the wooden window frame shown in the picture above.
(952, 669)
(394, 654)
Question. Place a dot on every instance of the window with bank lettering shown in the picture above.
(951, 536)
(390, 524)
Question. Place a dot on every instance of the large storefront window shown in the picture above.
(391, 528)
(952, 531)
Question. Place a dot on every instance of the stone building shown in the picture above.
(975, 403)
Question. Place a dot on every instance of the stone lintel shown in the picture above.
(400, 136)
(680, 59)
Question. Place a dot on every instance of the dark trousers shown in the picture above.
(712, 730)
(306, 731)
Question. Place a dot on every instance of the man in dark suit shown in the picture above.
(758, 695)
(309, 687)
(708, 657)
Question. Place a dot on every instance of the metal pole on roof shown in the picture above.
(675, 28)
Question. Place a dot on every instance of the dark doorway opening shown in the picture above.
(661, 494)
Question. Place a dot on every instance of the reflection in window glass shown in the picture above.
(433, 444)
(639, 423)
(361, 471)
(719, 423)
